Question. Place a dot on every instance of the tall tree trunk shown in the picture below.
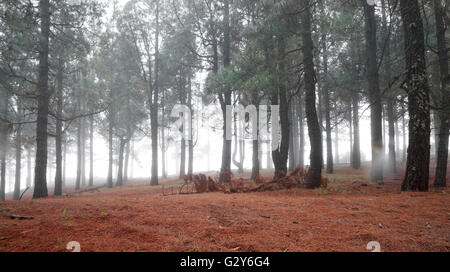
(154, 109)
(4, 98)
(122, 144)
(127, 159)
(301, 151)
(191, 141)
(91, 150)
(64, 164)
(40, 176)
(29, 167)
(280, 155)
(225, 99)
(350, 125)
(397, 137)
(182, 157)
(79, 158)
(404, 138)
(268, 147)
(292, 161)
(238, 146)
(391, 122)
(109, 180)
(336, 139)
(83, 150)
(255, 144)
(442, 150)
(326, 97)
(16, 194)
(390, 105)
(418, 161)
(356, 160)
(376, 174)
(132, 161)
(314, 176)
(58, 137)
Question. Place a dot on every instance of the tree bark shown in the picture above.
(126, 162)
(280, 155)
(64, 163)
(16, 193)
(418, 160)
(122, 144)
(255, 143)
(40, 176)
(58, 137)
(442, 150)
(326, 97)
(292, 161)
(154, 108)
(376, 174)
(29, 167)
(225, 98)
(91, 150)
(356, 154)
(301, 150)
(79, 149)
(109, 180)
(390, 105)
(314, 177)
(191, 141)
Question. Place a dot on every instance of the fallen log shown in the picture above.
(89, 190)
(20, 217)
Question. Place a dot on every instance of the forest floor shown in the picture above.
(345, 216)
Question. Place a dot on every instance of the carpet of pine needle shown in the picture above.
(345, 216)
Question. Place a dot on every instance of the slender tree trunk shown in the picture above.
(127, 159)
(418, 161)
(404, 138)
(4, 100)
(268, 147)
(79, 159)
(356, 161)
(391, 121)
(109, 181)
(301, 151)
(83, 150)
(58, 137)
(442, 150)
(132, 160)
(191, 141)
(350, 125)
(326, 96)
(397, 138)
(280, 155)
(154, 109)
(182, 158)
(91, 150)
(390, 105)
(291, 138)
(122, 144)
(29, 167)
(336, 140)
(225, 99)
(238, 146)
(314, 177)
(16, 194)
(255, 144)
(64, 164)
(376, 174)
(40, 176)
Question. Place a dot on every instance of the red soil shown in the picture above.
(344, 217)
